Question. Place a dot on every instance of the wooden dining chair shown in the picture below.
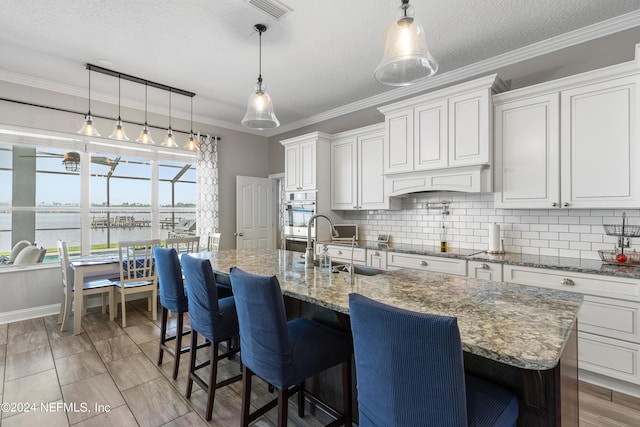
(137, 274)
(104, 287)
(213, 242)
(183, 244)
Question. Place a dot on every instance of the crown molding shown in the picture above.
(581, 35)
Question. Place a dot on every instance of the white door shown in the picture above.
(255, 226)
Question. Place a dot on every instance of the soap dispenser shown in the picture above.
(325, 260)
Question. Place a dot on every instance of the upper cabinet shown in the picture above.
(570, 143)
(302, 156)
(446, 128)
(357, 181)
(445, 135)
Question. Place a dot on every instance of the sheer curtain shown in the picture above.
(207, 186)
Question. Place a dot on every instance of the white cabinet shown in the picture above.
(356, 170)
(608, 321)
(303, 157)
(485, 270)
(342, 254)
(447, 128)
(569, 144)
(455, 266)
(377, 258)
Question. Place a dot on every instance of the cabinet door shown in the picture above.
(430, 133)
(308, 165)
(599, 149)
(292, 167)
(527, 166)
(485, 271)
(344, 182)
(398, 142)
(371, 194)
(469, 129)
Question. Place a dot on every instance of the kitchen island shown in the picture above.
(523, 337)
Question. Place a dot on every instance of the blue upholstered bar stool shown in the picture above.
(283, 353)
(213, 318)
(424, 383)
(172, 297)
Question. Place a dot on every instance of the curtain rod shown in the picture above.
(139, 80)
(65, 110)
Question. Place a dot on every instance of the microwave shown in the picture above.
(346, 232)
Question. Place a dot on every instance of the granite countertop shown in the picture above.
(579, 265)
(522, 326)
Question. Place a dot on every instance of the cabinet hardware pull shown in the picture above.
(355, 207)
(568, 282)
(554, 204)
(339, 252)
(376, 254)
(423, 262)
(485, 266)
(565, 204)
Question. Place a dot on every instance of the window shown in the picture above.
(41, 196)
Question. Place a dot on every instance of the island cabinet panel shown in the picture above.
(485, 270)
(446, 265)
(571, 143)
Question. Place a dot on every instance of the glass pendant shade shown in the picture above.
(88, 127)
(406, 57)
(169, 140)
(192, 143)
(145, 136)
(118, 131)
(260, 114)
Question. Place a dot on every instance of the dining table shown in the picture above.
(94, 267)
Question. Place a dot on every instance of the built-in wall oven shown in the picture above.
(299, 207)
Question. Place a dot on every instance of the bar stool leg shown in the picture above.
(213, 373)
(163, 333)
(246, 396)
(283, 407)
(176, 362)
(192, 362)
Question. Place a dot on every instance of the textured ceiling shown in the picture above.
(319, 57)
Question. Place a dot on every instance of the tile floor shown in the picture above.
(107, 376)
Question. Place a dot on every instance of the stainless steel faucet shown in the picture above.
(309, 256)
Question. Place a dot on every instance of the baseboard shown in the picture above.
(29, 313)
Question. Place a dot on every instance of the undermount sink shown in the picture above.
(357, 269)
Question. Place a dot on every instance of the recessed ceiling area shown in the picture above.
(317, 58)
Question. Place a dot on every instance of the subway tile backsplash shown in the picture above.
(575, 233)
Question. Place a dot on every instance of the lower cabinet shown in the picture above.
(436, 264)
(377, 259)
(342, 254)
(485, 270)
(608, 322)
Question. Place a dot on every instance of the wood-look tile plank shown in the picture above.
(132, 371)
(3, 353)
(189, 420)
(51, 418)
(116, 417)
(72, 344)
(29, 341)
(226, 406)
(116, 348)
(79, 366)
(142, 333)
(95, 392)
(103, 330)
(594, 409)
(27, 363)
(37, 388)
(3, 333)
(626, 400)
(155, 403)
(25, 326)
(595, 390)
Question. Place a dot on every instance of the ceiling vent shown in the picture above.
(273, 8)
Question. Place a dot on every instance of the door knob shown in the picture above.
(239, 234)
(554, 204)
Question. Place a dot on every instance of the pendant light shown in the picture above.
(192, 143)
(87, 127)
(145, 136)
(260, 114)
(407, 59)
(118, 131)
(169, 140)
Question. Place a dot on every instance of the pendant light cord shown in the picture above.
(119, 97)
(169, 109)
(89, 92)
(145, 103)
